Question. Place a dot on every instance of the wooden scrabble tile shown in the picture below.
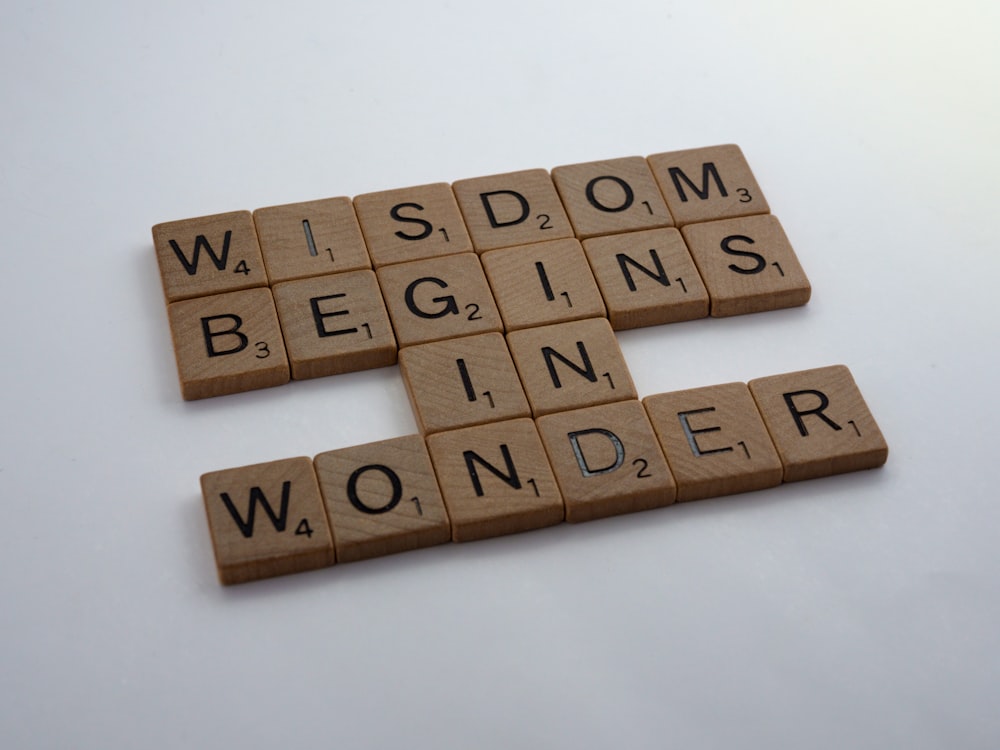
(314, 238)
(462, 382)
(610, 197)
(714, 441)
(516, 208)
(748, 265)
(266, 520)
(438, 298)
(382, 498)
(819, 422)
(208, 255)
(647, 278)
(606, 460)
(570, 365)
(705, 184)
(547, 282)
(334, 324)
(495, 479)
(227, 343)
(412, 223)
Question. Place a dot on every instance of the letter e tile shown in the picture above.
(208, 255)
(335, 324)
(382, 498)
(714, 441)
(266, 520)
(495, 479)
(606, 460)
(820, 422)
(748, 265)
(227, 343)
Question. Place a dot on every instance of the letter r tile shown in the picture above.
(819, 422)
(714, 440)
(495, 479)
(382, 498)
(227, 343)
(208, 255)
(516, 208)
(266, 520)
(606, 460)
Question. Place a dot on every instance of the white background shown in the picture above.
(858, 611)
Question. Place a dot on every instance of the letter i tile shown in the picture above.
(266, 520)
(714, 441)
(607, 460)
(820, 422)
(227, 343)
(495, 479)
(382, 498)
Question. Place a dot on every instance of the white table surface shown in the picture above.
(860, 611)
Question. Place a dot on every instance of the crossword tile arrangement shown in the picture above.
(498, 297)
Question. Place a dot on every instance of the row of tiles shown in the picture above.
(241, 250)
(505, 477)
(357, 320)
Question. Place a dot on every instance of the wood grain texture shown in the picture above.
(266, 520)
(462, 382)
(570, 365)
(227, 343)
(706, 184)
(313, 238)
(334, 324)
(495, 480)
(748, 265)
(543, 283)
(516, 208)
(714, 440)
(208, 255)
(412, 223)
(647, 278)
(819, 422)
(382, 498)
(606, 460)
(439, 298)
(611, 196)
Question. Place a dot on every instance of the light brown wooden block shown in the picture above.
(208, 255)
(819, 422)
(714, 441)
(382, 498)
(547, 282)
(495, 479)
(438, 298)
(412, 223)
(266, 520)
(705, 184)
(462, 382)
(748, 265)
(612, 196)
(570, 365)
(516, 208)
(314, 238)
(227, 343)
(647, 278)
(334, 324)
(606, 460)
